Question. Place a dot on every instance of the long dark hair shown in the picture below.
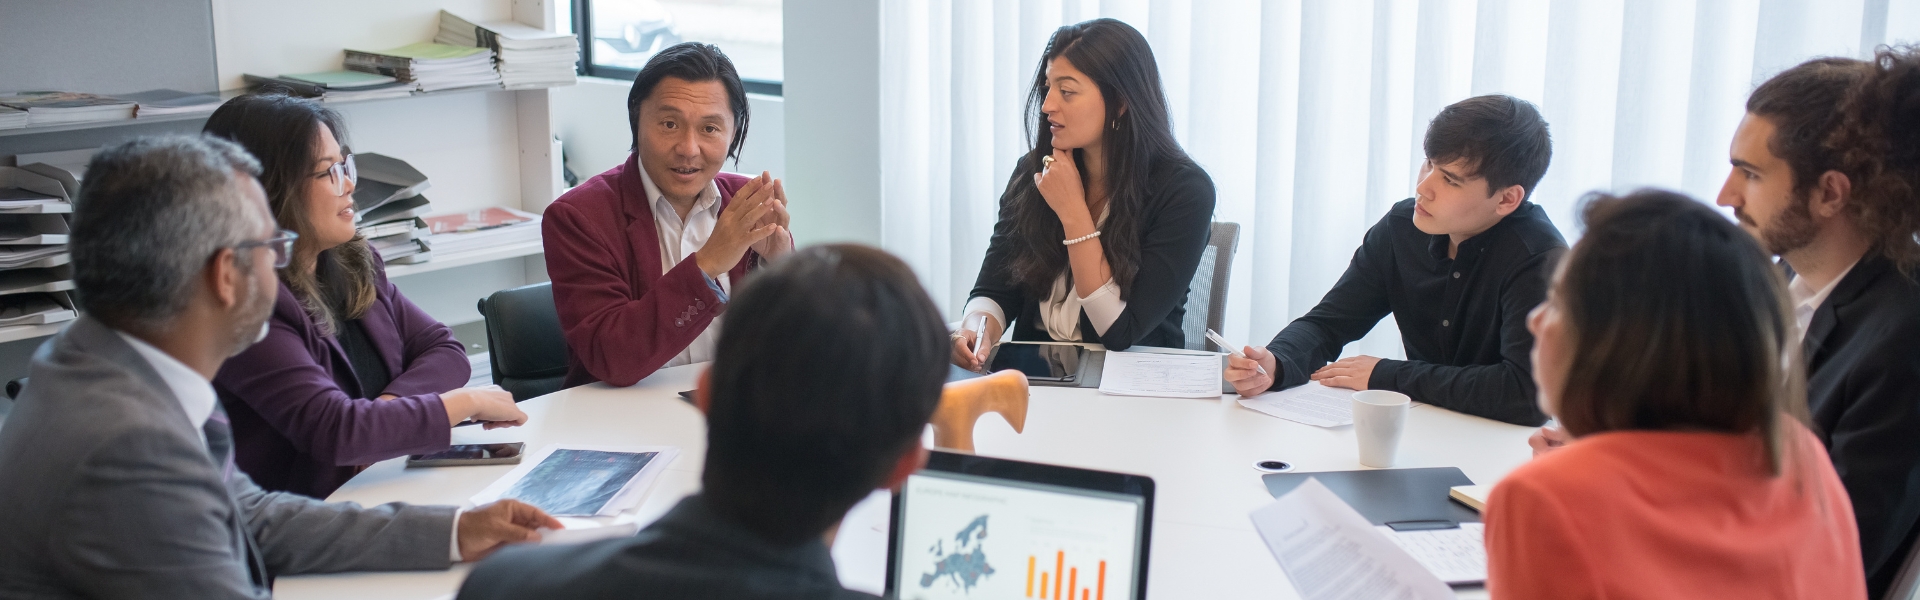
(279, 130)
(1679, 323)
(1139, 136)
(1878, 145)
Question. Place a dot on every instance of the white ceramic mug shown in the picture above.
(1378, 418)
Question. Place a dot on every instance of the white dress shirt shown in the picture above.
(679, 238)
(1060, 311)
(197, 398)
(1806, 300)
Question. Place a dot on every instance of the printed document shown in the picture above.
(1330, 552)
(1163, 375)
(1313, 404)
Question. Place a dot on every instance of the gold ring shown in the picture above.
(1046, 162)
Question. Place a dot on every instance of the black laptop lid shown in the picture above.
(977, 527)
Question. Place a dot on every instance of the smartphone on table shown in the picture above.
(462, 455)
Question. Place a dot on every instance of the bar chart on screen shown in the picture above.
(966, 539)
(1095, 587)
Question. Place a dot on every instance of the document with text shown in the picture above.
(1163, 375)
(1312, 403)
(1330, 552)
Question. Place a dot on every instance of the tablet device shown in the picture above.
(1040, 362)
(971, 526)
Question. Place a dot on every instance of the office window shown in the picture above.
(619, 36)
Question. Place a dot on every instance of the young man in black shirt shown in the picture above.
(831, 363)
(1458, 266)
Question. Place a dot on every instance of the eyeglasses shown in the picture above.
(340, 174)
(282, 246)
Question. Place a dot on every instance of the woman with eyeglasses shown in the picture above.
(348, 372)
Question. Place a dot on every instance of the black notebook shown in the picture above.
(1389, 496)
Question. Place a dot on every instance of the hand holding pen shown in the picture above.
(1251, 371)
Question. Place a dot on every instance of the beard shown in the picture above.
(1792, 229)
(250, 317)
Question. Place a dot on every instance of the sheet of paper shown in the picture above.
(1330, 552)
(1454, 555)
(1163, 375)
(1313, 404)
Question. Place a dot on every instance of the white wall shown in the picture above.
(832, 93)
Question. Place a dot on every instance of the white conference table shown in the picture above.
(1200, 453)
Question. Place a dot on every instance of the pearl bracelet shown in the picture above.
(1080, 239)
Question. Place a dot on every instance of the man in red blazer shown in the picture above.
(643, 256)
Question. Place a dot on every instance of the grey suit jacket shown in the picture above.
(107, 491)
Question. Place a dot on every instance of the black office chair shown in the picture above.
(526, 349)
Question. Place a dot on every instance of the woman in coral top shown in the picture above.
(1690, 474)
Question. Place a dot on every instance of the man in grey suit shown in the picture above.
(116, 466)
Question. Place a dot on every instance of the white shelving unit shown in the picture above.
(28, 332)
(472, 257)
(533, 167)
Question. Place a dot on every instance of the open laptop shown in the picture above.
(978, 527)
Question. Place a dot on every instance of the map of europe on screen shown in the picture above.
(966, 564)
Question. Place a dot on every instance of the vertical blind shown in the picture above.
(1308, 114)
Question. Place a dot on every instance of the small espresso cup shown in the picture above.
(1378, 418)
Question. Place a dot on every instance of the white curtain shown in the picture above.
(1309, 113)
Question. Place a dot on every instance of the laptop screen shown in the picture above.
(1003, 535)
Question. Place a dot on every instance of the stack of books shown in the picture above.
(428, 66)
(490, 227)
(388, 205)
(155, 103)
(35, 278)
(528, 57)
(54, 108)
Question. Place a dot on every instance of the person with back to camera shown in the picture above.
(827, 372)
(1104, 221)
(351, 372)
(1691, 472)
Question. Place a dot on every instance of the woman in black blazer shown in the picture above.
(1104, 221)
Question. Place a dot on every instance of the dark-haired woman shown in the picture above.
(348, 372)
(1104, 221)
(1690, 473)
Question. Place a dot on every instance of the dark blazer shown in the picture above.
(1863, 390)
(302, 424)
(623, 318)
(690, 553)
(1174, 227)
(109, 493)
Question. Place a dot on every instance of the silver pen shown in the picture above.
(1222, 342)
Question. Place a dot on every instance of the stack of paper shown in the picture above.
(154, 103)
(480, 229)
(529, 57)
(428, 66)
(1329, 551)
(54, 108)
(12, 118)
(35, 309)
(388, 205)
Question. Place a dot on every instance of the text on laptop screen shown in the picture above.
(965, 536)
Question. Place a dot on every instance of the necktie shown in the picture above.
(220, 441)
(220, 446)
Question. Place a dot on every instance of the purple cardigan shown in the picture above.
(302, 424)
